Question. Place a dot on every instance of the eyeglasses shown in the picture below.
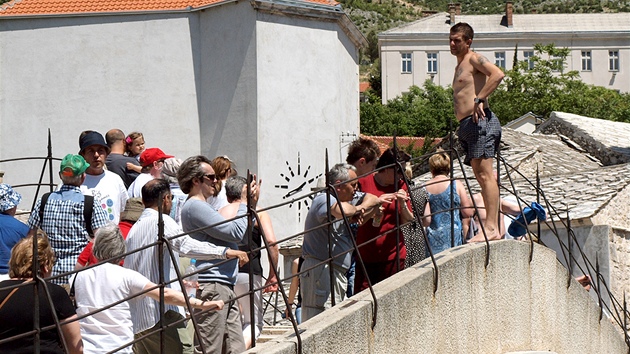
(169, 197)
(211, 177)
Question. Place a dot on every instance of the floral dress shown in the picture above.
(413, 232)
(439, 232)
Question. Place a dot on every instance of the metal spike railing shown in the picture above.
(569, 250)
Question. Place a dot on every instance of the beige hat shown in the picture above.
(170, 168)
(133, 210)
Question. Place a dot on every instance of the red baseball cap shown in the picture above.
(151, 155)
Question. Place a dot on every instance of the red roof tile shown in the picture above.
(47, 7)
(363, 86)
(385, 142)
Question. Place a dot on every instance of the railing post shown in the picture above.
(36, 307)
(570, 260)
(538, 199)
(161, 269)
(331, 272)
(599, 292)
(250, 273)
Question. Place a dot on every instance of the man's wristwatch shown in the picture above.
(479, 100)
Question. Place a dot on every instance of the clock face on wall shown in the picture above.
(298, 181)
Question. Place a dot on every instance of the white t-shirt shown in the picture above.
(219, 201)
(109, 189)
(135, 189)
(99, 287)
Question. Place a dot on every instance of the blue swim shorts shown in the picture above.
(481, 139)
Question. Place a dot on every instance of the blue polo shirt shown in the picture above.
(11, 231)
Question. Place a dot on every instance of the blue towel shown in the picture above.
(518, 227)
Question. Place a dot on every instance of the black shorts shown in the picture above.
(481, 139)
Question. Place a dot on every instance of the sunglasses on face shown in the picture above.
(211, 177)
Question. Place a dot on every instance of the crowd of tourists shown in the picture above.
(97, 258)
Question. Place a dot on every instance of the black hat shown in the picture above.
(388, 158)
(92, 138)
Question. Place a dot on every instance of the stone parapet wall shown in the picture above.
(620, 263)
(510, 305)
(616, 212)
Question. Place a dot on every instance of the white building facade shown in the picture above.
(271, 85)
(599, 46)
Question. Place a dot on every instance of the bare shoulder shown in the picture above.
(478, 59)
(481, 64)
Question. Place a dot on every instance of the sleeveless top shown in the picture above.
(254, 257)
(413, 232)
(439, 232)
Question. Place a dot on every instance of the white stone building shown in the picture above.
(599, 46)
(271, 84)
(527, 123)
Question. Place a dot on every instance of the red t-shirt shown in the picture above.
(383, 249)
(86, 257)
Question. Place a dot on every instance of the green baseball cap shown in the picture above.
(73, 165)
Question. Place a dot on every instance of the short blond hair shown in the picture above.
(21, 262)
(440, 163)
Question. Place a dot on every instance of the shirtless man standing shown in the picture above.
(479, 131)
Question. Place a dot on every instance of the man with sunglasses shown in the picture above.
(220, 331)
(156, 196)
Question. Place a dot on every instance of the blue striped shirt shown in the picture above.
(145, 312)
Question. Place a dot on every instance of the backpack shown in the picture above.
(88, 207)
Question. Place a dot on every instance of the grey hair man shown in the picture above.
(55, 213)
(109, 244)
(315, 283)
(233, 191)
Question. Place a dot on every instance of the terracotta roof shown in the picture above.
(382, 147)
(388, 141)
(48, 7)
(363, 86)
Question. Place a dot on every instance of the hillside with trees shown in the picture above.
(375, 16)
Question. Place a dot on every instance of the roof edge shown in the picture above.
(188, 9)
(312, 10)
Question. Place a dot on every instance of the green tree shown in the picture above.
(422, 112)
(547, 87)
(372, 50)
(428, 111)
